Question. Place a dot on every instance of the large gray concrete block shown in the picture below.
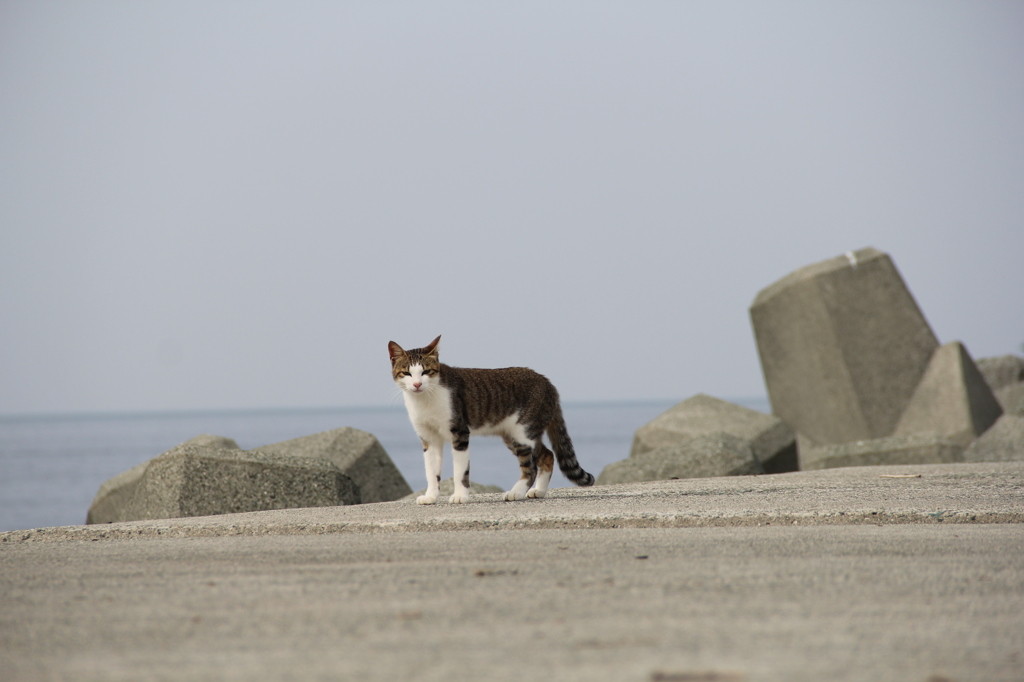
(114, 496)
(115, 493)
(702, 456)
(358, 454)
(771, 440)
(1012, 399)
(1002, 370)
(953, 399)
(202, 480)
(1004, 442)
(843, 346)
(1005, 374)
(925, 448)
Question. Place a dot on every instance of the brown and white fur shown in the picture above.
(447, 404)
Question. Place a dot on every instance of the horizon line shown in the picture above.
(188, 412)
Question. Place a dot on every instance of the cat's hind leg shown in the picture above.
(527, 469)
(460, 468)
(432, 456)
(545, 460)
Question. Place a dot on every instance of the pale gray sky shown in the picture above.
(238, 204)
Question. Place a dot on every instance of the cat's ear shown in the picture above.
(431, 348)
(395, 351)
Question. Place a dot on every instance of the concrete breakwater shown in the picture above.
(855, 376)
(854, 373)
(932, 493)
(887, 573)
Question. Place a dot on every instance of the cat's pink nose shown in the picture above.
(417, 384)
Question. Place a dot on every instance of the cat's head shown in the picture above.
(417, 370)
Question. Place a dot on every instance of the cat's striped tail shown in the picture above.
(564, 452)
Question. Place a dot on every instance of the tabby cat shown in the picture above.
(446, 404)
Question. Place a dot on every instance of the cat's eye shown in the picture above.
(404, 374)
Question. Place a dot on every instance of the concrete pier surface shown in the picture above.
(874, 573)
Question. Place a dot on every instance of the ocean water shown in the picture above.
(52, 466)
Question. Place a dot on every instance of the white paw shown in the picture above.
(426, 499)
(534, 493)
(512, 495)
(459, 498)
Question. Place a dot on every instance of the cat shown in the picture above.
(447, 404)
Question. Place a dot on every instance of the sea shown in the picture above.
(51, 466)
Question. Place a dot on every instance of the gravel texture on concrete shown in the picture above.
(880, 573)
(991, 492)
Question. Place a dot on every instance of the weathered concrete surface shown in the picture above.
(953, 399)
(911, 603)
(881, 579)
(447, 488)
(1004, 442)
(771, 441)
(1012, 399)
(843, 346)
(712, 454)
(1002, 371)
(918, 448)
(358, 454)
(198, 480)
(115, 494)
(211, 475)
(983, 492)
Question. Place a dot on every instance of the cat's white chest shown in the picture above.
(431, 413)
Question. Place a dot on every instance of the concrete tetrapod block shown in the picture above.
(843, 346)
(703, 456)
(115, 493)
(925, 448)
(114, 496)
(952, 399)
(198, 480)
(1012, 399)
(770, 439)
(1004, 442)
(1002, 370)
(358, 454)
(1005, 375)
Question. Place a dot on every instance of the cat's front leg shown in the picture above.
(432, 457)
(460, 466)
